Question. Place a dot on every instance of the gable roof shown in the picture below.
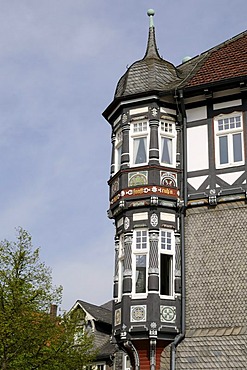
(225, 61)
(99, 313)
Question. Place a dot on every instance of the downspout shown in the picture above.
(178, 339)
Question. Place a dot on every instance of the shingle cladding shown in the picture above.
(216, 282)
(209, 352)
(215, 263)
(152, 73)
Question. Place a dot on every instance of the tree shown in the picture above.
(30, 338)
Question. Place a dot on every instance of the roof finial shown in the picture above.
(151, 13)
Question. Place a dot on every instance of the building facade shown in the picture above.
(178, 200)
(97, 320)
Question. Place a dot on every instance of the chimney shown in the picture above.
(53, 311)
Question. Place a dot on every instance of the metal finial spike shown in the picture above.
(151, 13)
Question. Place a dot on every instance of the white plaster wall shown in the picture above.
(232, 103)
(196, 114)
(197, 148)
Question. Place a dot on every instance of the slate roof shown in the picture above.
(152, 73)
(225, 348)
(107, 350)
(98, 312)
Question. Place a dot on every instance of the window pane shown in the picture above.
(165, 274)
(166, 148)
(141, 239)
(166, 240)
(223, 149)
(118, 161)
(141, 274)
(237, 148)
(140, 150)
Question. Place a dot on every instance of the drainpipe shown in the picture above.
(178, 339)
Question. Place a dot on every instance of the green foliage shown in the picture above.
(30, 338)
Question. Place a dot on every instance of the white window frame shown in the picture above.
(222, 129)
(100, 365)
(167, 247)
(167, 130)
(118, 147)
(126, 362)
(140, 248)
(139, 130)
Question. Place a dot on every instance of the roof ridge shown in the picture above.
(94, 305)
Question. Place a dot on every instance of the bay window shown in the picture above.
(167, 262)
(229, 140)
(118, 150)
(167, 143)
(139, 148)
(140, 259)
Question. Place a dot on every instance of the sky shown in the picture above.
(60, 61)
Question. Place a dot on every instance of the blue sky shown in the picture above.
(60, 61)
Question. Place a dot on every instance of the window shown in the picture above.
(140, 259)
(167, 250)
(229, 140)
(100, 367)
(167, 143)
(139, 149)
(118, 150)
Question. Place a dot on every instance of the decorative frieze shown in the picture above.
(147, 190)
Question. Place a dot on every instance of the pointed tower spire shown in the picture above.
(152, 50)
(151, 73)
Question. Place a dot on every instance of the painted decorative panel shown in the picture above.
(115, 187)
(168, 314)
(147, 190)
(168, 178)
(118, 317)
(138, 313)
(138, 178)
